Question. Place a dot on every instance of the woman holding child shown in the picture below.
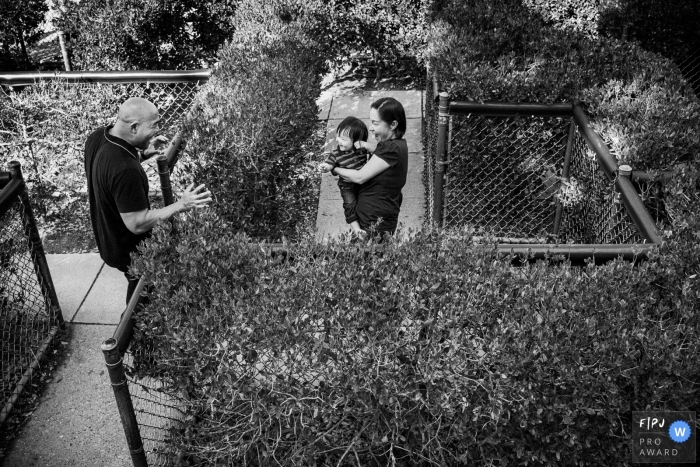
(381, 179)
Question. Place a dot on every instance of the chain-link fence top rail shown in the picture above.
(27, 317)
(508, 175)
(49, 137)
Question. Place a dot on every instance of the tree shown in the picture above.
(146, 34)
(18, 27)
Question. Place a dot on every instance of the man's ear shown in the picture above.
(133, 127)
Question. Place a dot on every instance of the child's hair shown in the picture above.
(355, 128)
(389, 110)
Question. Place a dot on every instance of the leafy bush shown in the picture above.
(501, 51)
(384, 31)
(255, 122)
(430, 351)
(44, 127)
(581, 16)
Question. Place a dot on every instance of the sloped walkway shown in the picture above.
(77, 422)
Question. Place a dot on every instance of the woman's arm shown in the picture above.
(371, 169)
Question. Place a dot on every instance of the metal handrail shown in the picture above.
(21, 78)
(634, 205)
(507, 109)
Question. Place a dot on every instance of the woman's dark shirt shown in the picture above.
(381, 196)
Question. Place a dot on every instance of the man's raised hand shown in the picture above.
(194, 198)
(156, 145)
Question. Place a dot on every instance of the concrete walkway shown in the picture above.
(77, 422)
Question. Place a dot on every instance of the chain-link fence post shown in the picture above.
(41, 266)
(165, 185)
(440, 158)
(117, 377)
(566, 168)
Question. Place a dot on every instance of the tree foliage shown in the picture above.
(18, 27)
(150, 34)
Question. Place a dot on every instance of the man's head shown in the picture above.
(137, 122)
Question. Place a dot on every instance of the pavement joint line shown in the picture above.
(87, 293)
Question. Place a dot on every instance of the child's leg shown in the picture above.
(348, 191)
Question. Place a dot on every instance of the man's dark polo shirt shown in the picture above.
(116, 184)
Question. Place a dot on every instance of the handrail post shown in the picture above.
(117, 377)
(165, 186)
(439, 177)
(36, 248)
(64, 50)
(559, 210)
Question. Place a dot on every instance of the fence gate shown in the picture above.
(29, 311)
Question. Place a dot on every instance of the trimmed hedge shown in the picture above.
(429, 352)
(253, 135)
(501, 51)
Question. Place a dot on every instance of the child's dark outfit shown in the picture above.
(350, 159)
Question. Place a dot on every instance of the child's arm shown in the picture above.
(328, 164)
(371, 147)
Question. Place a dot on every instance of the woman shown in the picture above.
(384, 175)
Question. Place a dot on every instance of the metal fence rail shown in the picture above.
(529, 173)
(29, 311)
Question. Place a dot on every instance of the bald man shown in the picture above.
(118, 187)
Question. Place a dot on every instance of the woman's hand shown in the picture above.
(359, 144)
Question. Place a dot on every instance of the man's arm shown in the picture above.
(139, 222)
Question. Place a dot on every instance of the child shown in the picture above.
(350, 131)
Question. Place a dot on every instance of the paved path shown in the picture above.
(76, 422)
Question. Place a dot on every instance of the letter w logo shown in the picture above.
(680, 432)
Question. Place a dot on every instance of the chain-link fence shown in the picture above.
(29, 311)
(525, 174)
(48, 118)
(690, 68)
(501, 174)
(593, 211)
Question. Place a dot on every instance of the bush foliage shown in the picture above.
(428, 352)
(501, 51)
(145, 35)
(253, 121)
